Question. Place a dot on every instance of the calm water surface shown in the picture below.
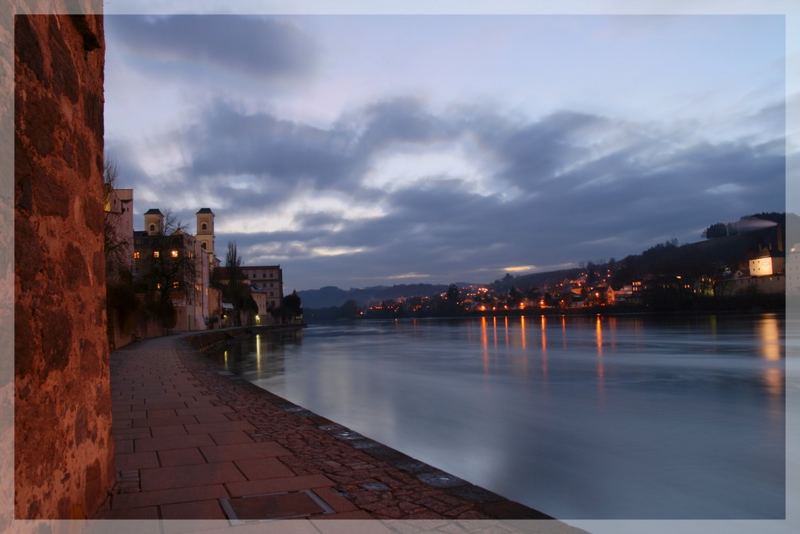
(580, 417)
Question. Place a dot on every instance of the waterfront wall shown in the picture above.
(208, 338)
(765, 285)
(63, 448)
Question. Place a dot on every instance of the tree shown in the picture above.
(115, 246)
(291, 306)
(233, 264)
(716, 230)
(168, 278)
(121, 302)
(172, 224)
(349, 309)
(452, 294)
(236, 291)
(591, 273)
(514, 296)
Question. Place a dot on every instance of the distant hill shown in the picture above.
(736, 243)
(750, 236)
(328, 296)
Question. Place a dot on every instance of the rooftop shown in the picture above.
(254, 267)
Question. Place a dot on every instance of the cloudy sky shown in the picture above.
(366, 150)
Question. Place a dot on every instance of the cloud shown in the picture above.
(519, 268)
(255, 46)
(503, 195)
(408, 276)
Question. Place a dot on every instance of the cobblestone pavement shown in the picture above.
(194, 442)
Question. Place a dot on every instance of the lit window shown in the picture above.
(136, 255)
(156, 254)
(158, 285)
(176, 284)
(173, 253)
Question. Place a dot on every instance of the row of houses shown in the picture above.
(166, 262)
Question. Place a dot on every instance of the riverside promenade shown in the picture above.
(194, 442)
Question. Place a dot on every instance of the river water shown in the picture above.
(579, 417)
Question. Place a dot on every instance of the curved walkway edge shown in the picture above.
(195, 442)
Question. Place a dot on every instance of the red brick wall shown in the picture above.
(63, 448)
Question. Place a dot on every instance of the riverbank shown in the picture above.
(194, 442)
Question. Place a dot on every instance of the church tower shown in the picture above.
(205, 229)
(153, 222)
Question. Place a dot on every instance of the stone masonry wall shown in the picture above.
(63, 448)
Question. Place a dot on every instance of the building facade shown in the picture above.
(266, 281)
(176, 266)
(118, 211)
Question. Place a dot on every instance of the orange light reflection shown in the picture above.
(543, 323)
(598, 331)
(485, 346)
(771, 349)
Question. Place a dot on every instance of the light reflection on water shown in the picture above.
(624, 418)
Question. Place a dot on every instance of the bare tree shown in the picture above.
(172, 224)
(115, 245)
(237, 292)
(121, 302)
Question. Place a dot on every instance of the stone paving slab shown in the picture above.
(243, 451)
(130, 501)
(278, 485)
(263, 468)
(192, 443)
(175, 457)
(184, 476)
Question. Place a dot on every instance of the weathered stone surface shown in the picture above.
(40, 128)
(47, 195)
(75, 267)
(63, 462)
(56, 340)
(65, 79)
(27, 47)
